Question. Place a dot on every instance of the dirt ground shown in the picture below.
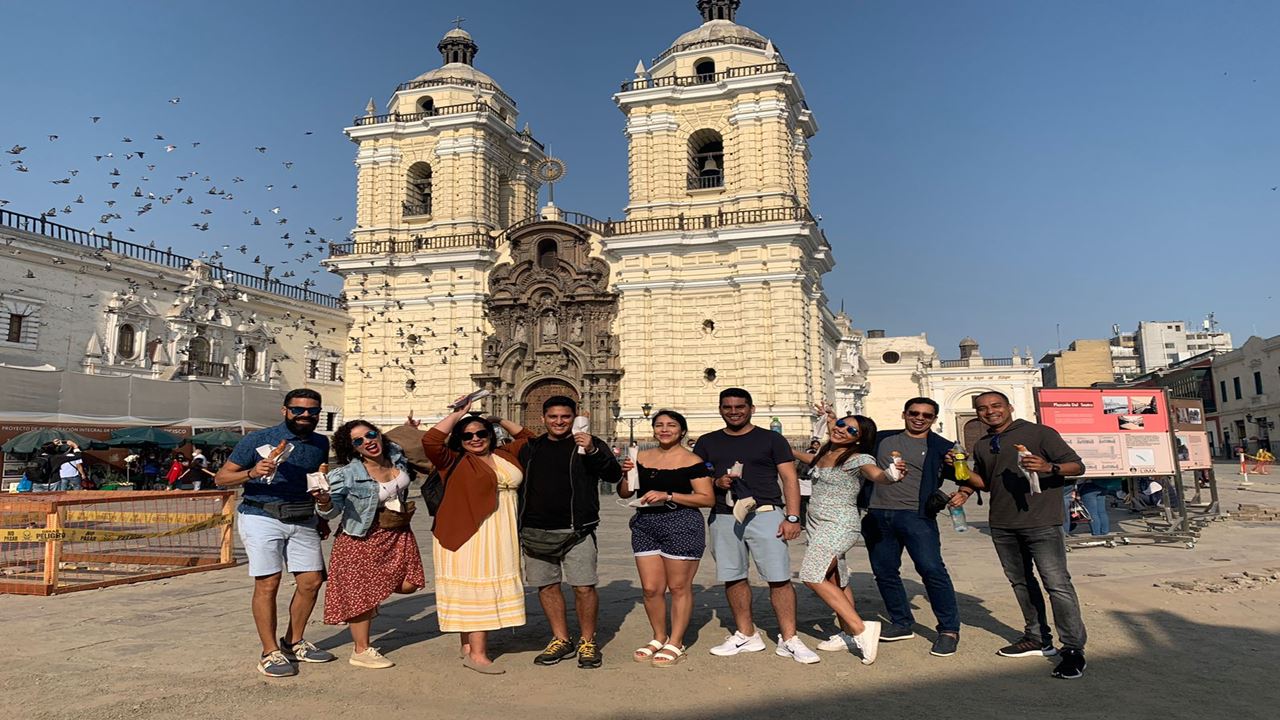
(1173, 633)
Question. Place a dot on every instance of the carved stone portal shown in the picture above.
(552, 314)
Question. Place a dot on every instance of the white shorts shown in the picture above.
(272, 544)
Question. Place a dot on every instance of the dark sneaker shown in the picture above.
(1072, 665)
(305, 651)
(893, 633)
(276, 665)
(555, 651)
(1028, 648)
(588, 654)
(945, 645)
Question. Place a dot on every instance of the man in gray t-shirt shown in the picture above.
(898, 519)
(903, 495)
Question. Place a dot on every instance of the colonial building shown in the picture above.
(103, 332)
(712, 279)
(899, 368)
(1247, 383)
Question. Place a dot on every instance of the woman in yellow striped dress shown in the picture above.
(475, 547)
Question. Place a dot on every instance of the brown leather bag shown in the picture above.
(395, 520)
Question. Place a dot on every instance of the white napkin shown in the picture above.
(317, 481)
(1032, 476)
(581, 424)
(633, 475)
(264, 451)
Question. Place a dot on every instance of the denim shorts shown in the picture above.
(272, 544)
(733, 542)
(578, 567)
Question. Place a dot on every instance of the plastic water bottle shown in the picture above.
(957, 519)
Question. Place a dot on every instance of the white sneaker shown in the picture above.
(371, 659)
(796, 650)
(869, 641)
(737, 642)
(840, 642)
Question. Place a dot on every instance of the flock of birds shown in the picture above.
(130, 179)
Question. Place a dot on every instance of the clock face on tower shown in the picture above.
(550, 169)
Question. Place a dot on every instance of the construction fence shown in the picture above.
(53, 543)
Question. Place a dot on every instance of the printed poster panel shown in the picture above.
(1192, 433)
(1117, 433)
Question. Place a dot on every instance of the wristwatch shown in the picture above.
(1055, 468)
(793, 519)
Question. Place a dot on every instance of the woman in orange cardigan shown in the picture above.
(475, 546)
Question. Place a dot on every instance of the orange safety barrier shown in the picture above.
(54, 543)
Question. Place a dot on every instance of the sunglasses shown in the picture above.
(481, 434)
(371, 435)
(849, 427)
(923, 415)
(300, 411)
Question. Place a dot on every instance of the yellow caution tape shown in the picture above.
(139, 518)
(82, 535)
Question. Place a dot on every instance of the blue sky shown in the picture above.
(991, 168)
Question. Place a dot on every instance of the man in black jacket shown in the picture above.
(559, 512)
(897, 518)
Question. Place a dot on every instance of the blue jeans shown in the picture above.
(1094, 499)
(886, 533)
(1026, 551)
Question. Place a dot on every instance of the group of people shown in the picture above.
(527, 514)
(194, 472)
(57, 466)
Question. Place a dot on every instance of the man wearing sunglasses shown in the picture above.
(1026, 526)
(900, 516)
(560, 497)
(278, 526)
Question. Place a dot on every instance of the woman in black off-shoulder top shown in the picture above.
(668, 533)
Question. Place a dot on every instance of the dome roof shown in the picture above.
(457, 71)
(717, 30)
(968, 342)
(458, 33)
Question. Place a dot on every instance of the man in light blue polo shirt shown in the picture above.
(278, 527)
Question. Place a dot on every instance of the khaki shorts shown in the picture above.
(578, 567)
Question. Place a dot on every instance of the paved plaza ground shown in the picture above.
(186, 647)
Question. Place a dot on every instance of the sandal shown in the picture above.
(669, 655)
(645, 654)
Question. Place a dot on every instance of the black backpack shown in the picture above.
(38, 469)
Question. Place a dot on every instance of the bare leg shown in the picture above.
(407, 588)
(359, 626)
(264, 610)
(679, 575)
(783, 597)
(586, 604)
(738, 593)
(841, 601)
(477, 645)
(653, 581)
(552, 602)
(306, 590)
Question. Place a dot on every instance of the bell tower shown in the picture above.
(719, 261)
(439, 174)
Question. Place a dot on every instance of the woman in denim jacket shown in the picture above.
(368, 563)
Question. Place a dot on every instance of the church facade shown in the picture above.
(456, 279)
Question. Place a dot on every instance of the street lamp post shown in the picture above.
(646, 408)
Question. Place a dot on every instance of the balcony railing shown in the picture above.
(412, 209)
(678, 223)
(986, 362)
(203, 369)
(704, 78)
(415, 244)
(472, 107)
(713, 42)
(441, 82)
(705, 182)
(145, 253)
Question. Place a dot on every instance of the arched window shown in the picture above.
(198, 350)
(427, 104)
(418, 193)
(126, 342)
(706, 160)
(548, 254)
(704, 70)
(250, 361)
